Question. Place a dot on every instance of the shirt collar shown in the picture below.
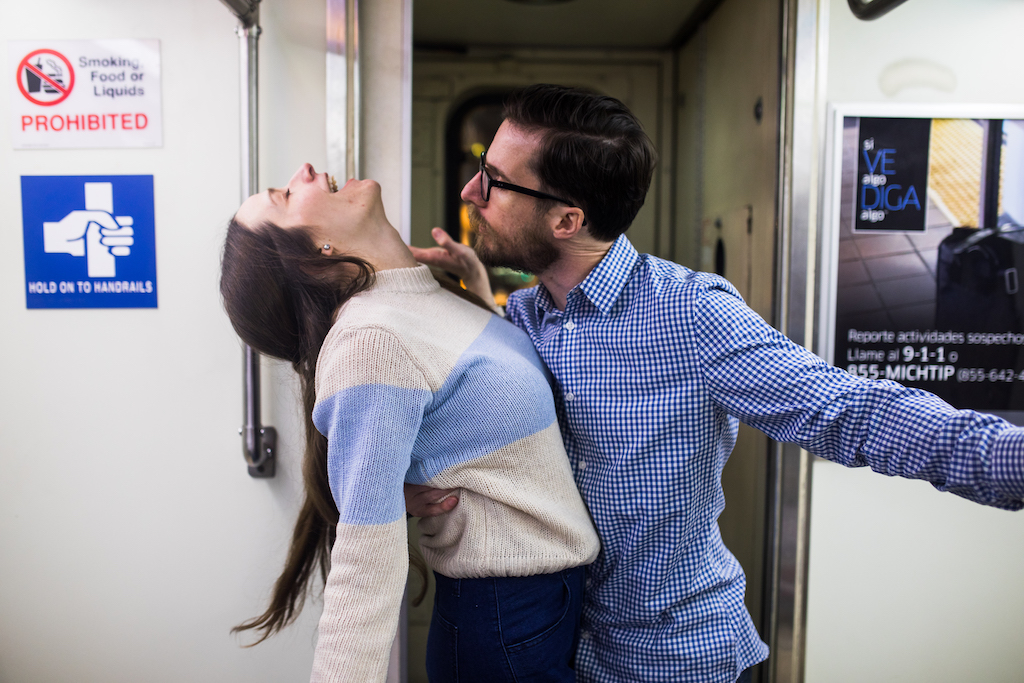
(605, 283)
(607, 280)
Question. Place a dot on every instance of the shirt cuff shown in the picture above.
(1006, 466)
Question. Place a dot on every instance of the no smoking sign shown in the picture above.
(46, 77)
(85, 93)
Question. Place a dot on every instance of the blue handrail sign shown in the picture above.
(89, 241)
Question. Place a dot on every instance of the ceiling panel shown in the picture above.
(576, 24)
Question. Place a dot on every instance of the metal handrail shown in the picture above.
(870, 9)
(259, 442)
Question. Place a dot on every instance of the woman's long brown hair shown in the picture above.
(281, 294)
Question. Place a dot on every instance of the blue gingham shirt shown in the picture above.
(653, 364)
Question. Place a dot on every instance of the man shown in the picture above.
(653, 365)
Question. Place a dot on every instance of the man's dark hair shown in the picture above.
(594, 152)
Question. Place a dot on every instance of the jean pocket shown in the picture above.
(545, 654)
(533, 616)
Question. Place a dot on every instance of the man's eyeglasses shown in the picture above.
(487, 182)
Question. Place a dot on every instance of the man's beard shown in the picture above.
(529, 250)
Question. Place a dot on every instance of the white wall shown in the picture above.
(912, 52)
(907, 584)
(131, 537)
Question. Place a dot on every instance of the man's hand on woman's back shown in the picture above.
(424, 501)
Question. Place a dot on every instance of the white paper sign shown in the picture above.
(85, 93)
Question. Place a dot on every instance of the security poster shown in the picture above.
(89, 241)
(931, 245)
(85, 94)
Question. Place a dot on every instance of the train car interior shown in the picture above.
(151, 481)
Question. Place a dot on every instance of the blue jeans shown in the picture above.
(498, 630)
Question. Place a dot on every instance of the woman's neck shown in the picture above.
(383, 248)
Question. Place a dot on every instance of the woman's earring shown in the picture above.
(326, 248)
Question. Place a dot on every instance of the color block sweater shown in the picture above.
(416, 385)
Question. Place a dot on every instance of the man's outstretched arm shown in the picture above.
(759, 376)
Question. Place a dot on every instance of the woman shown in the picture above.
(404, 381)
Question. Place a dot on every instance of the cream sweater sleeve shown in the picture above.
(370, 403)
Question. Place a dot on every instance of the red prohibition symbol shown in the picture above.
(45, 77)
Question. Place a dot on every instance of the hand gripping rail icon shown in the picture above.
(94, 233)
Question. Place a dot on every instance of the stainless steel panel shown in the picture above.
(805, 33)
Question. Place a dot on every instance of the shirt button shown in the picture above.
(585, 635)
(569, 326)
(583, 464)
(569, 396)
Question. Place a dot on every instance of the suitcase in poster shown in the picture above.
(978, 291)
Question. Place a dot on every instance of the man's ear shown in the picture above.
(570, 222)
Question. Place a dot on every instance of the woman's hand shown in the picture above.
(459, 259)
(424, 501)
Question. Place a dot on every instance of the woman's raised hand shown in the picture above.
(458, 259)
